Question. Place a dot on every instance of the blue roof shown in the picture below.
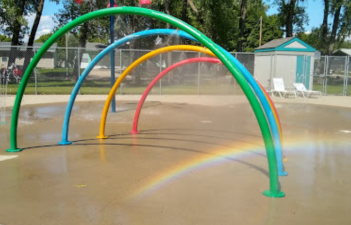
(292, 44)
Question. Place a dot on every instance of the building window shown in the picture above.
(4, 59)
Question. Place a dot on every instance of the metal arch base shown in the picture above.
(14, 150)
(65, 142)
(282, 174)
(271, 194)
(102, 137)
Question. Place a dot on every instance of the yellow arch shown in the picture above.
(135, 64)
(143, 59)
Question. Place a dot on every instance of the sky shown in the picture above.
(47, 23)
(314, 10)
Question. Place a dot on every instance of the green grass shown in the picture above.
(332, 89)
(101, 87)
(96, 87)
(53, 81)
(56, 72)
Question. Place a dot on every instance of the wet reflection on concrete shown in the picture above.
(179, 170)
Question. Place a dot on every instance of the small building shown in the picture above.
(91, 51)
(287, 58)
(47, 61)
(338, 62)
(342, 52)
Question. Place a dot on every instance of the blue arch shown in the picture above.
(264, 102)
(102, 54)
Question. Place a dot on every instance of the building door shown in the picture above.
(303, 67)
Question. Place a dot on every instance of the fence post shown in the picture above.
(66, 61)
(160, 64)
(346, 75)
(326, 76)
(35, 76)
(120, 70)
(324, 68)
(78, 67)
(198, 76)
(344, 81)
(235, 82)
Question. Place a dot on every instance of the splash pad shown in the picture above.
(175, 166)
(238, 71)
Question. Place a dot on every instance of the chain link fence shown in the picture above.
(59, 69)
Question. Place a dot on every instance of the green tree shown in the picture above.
(12, 19)
(345, 25)
(292, 16)
(13, 23)
(324, 28)
(61, 51)
(61, 42)
(327, 38)
(243, 10)
(4, 38)
(313, 39)
(336, 10)
(43, 38)
(38, 5)
(271, 27)
(345, 44)
(97, 28)
(270, 31)
(220, 21)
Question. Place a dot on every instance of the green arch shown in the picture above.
(274, 190)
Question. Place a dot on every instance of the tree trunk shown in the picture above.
(29, 52)
(167, 11)
(239, 47)
(16, 32)
(184, 11)
(185, 17)
(334, 30)
(324, 28)
(289, 18)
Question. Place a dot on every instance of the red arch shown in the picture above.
(158, 77)
(184, 62)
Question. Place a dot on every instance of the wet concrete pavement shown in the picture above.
(190, 165)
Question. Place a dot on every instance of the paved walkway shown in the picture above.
(340, 101)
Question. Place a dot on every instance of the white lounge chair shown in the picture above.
(279, 88)
(300, 88)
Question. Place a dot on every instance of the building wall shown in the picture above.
(284, 65)
(263, 70)
(43, 63)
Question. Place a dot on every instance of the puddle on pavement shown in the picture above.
(181, 169)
